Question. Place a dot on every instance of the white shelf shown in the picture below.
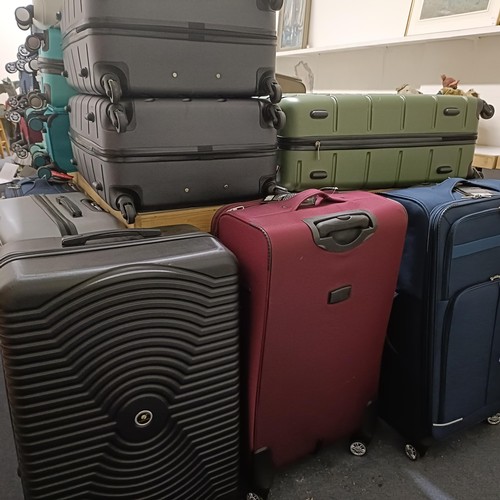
(475, 33)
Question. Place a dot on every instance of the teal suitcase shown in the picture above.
(54, 124)
(373, 141)
(48, 44)
(54, 86)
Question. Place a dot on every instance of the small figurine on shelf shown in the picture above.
(406, 88)
(450, 87)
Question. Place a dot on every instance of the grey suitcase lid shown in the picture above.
(52, 216)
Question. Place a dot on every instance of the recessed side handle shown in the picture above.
(445, 169)
(342, 232)
(451, 112)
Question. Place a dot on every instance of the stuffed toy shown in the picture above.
(450, 87)
(406, 88)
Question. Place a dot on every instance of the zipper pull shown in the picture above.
(317, 145)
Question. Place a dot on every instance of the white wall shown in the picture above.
(335, 21)
(474, 61)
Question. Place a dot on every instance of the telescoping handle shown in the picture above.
(119, 234)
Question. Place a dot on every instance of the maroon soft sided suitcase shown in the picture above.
(318, 272)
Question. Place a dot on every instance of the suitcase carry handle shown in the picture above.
(122, 234)
(312, 197)
(449, 185)
(343, 231)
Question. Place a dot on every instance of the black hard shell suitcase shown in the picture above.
(179, 47)
(441, 370)
(151, 154)
(52, 215)
(120, 353)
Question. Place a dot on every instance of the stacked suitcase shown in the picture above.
(134, 388)
(169, 113)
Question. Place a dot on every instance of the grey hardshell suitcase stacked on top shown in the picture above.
(181, 47)
(148, 154)
(121, 360)
(376, 140)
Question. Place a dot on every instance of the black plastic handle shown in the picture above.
(122, 234)
(343, 231)
(451, 112)
(71, 207)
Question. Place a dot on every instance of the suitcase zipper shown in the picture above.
(202, 152)
(373, 142)
(66, 227)
(197, 32)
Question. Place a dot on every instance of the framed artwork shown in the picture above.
(431, 16)
(293, 24)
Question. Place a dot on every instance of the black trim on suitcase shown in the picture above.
(65, 226)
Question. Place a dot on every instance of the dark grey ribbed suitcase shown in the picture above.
(152, 154)
(121, 360)
(52, 216)
(171, 48)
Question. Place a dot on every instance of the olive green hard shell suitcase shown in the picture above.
(356, 141)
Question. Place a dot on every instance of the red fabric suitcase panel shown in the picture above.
(313, 365)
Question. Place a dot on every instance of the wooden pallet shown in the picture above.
(486, 157)
(200, 217)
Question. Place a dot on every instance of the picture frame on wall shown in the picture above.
(433, 16)
(293, 24)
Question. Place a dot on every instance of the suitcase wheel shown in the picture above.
(253, 496)
(126, 206)
(488, 111)
(494, 419)
(112, 87)
(11, 67)
(414, 452)
(118, 118)
(272, 88)
(275, 4)
(275, 115)
(37, 101)
(24, 17)
(358, 448)
(13, 116)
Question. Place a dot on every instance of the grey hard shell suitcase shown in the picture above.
(52, 215)
(121, 359)
(369, 141)
(441, 370)
(147, 154)
(179, 47)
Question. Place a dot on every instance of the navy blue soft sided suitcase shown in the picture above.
(441, 368)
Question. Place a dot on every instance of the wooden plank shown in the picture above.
(485, 161)
(200, 217)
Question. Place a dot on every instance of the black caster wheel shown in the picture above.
(13, 116)
(112, 87)
(118, 118)
(11, 68)
(358, 448)
(494, 419)
(273, 89)
(487, 112)
(253, 496)
(414, 452)
(275, 4)
(127, 209)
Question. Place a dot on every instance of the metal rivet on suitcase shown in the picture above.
(218, 76)
(174, 75)
(90, 117)
(186, 190)
(84, 73)
(143, 418)
(97, 186)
